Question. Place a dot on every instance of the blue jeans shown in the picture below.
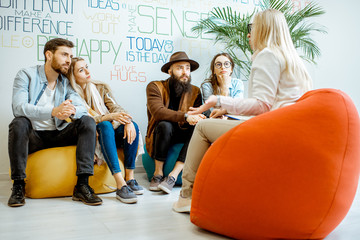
(110, 139)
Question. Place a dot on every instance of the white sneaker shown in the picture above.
(183, 205)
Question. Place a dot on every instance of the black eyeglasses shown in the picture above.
(226, 64)
(249, 27)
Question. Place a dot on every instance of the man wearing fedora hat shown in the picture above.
(168, 103)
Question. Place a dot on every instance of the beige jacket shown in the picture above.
(109, 100)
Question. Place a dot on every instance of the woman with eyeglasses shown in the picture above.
(278, 78)
(220, 82)
(114, 126)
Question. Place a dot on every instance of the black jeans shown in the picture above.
(167, 134)
(23, 140)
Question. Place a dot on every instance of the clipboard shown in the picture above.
(238, 117)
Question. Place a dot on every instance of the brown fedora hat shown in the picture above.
(179, 57)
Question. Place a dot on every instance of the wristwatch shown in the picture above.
(186, 116)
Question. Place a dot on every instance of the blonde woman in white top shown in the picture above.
(278, 78)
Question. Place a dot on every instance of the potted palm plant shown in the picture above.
(230, 29)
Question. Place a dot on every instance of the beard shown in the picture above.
(58, 67)
(180, 87)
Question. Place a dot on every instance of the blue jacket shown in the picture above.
(236, 89)
(30, 84)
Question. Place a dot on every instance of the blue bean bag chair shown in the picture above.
(149, 163)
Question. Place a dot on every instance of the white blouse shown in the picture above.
(269, 88)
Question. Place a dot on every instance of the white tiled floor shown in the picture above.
(150, 218)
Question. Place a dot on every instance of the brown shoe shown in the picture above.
(167, 184)
(155, 181)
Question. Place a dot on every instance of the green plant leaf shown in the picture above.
(230, 29)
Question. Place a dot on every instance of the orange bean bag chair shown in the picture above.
(52, 173)
(291, 173)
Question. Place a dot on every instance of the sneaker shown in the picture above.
(17, 198)
(167, 184)
(183, 205)
(126, 195)
(155, 181)
(86, 194)
(135, 187)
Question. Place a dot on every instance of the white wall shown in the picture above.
(339, 65)
(165, 22)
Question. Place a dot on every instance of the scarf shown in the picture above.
(99, 108)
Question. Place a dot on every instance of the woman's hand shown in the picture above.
(224, 83)
(209, 103)
(129, 132)
(121, 117)
(218, 113)
(224, 79)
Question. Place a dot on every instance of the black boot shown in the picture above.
(86, 194)
(17, 198)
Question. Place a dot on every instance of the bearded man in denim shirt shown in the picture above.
(42, 100)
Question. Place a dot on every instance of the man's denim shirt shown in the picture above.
(29, 85)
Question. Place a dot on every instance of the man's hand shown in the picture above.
(129, 132)
(64, 110)
(193, 119)
(218, 113)
(209, 103)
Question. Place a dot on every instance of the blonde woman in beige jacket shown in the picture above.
(115, 128)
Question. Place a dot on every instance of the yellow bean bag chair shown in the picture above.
(52, 173)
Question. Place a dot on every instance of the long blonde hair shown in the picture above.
(270, 30)
(86, 93)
